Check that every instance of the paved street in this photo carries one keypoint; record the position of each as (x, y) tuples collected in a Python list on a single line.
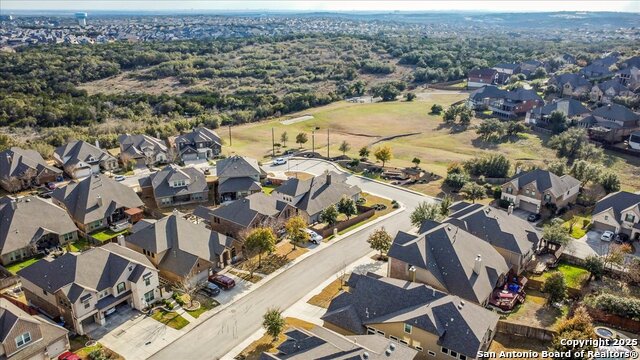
[(215, 337)]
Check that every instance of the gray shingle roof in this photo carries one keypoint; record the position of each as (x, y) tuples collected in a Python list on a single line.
[(569, 107), (545, 180), (133, 144), (81, 198), (618, 201), (459, 326), (197, 135), (237, 166), (81, 151), (613, 83), (616, 112), (16, 161), (448, 253), (237, 184), (160, 181), (31, 219), (493, 92), (244, 211)]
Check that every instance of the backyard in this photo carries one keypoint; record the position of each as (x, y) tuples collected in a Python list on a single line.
[(535, 311), (17, 266), (505, 342), (574, 276), (107, 234)]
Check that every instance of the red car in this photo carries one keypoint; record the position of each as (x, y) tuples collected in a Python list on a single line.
[(68, 356), (222, 281)]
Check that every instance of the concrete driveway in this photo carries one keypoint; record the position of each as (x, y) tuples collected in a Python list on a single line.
[(590, 244)]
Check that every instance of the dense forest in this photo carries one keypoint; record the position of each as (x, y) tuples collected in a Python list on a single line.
[(230, 81)]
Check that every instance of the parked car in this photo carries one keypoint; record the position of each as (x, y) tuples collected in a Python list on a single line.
[(51, 186), (314, 237), (211, 289), (622, 238), (119, 178), (607, 236), (279, 161), (222, 281), (68, 355), (533, 217), (289, 152), (45, 193)]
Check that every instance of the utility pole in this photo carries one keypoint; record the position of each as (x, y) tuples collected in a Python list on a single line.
[(313, 141), (328, 157), (229, 134), (273, 144)]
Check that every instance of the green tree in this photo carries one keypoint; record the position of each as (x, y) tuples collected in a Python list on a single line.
[(425, 211), (578, 327), (260, 240), (344, 147), (410, 96), (555, 287), (558, 167), (595, 265), (456, 180), (514, 128), (383, 153), (380, 240), (473, 191), (329, 215), (301, 138), (436, 109), (445, 204), (569, 143), (284, 137), (347, 206), (296, 227), (5, 142), (273, 323), (610, 182), (363, 152), (450, 114), (540, 73), (416, 162), (556, 233), (585, 171), (464, 115), (557, 122), (491, 130), (591, 153)]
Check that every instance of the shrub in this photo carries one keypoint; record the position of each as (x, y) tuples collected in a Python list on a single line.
[(504, 203), (626, 307)]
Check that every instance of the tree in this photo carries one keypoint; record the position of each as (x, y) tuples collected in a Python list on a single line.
[(295, 227), (617, 254), (380, 240), (449, 115), (569, 143), (514, 128), (410, 96), (585, 171), (301, 138), (347, 206), (284, 137), (595, 265), (557, 122), (273, 323), (363, 152), (610, 182), (490, 130), (329, 215), (540, 73), (464, 115), (260, 240), (416, 162), (473, 191), (383, 153), (425, 211), (556, 287), (558, 167), (436, 109), (186, 287), (555, 233), (578, 327), (445, 204), (591, 153), (456, 180), (344, 147)]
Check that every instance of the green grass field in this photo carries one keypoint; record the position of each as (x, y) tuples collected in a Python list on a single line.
[(171, 319), (573, 275), (15, 267)]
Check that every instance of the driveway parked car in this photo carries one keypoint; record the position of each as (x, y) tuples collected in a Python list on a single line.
[(119, 178), (622, 238), (211, 289), (533, 217), (51, 186), (222, 281), (68, 355), (607, 236), (279, 161), (314, 237)]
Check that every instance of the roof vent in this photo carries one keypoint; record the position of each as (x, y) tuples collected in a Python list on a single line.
[(392, 346), (477, 265), (365, 355)]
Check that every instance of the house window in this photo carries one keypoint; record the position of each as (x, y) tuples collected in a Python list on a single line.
[(419, 348), (445, 350), (149, 297), (87, 304), (380, 332), (23, 339), (408, 328), (45, 292), (431, 353), (533, 193), (606, 217), (547, 197), (371, 331), (120, 288), (453, 354), (462, 357), (393, 338), (147, 281), (165, 201), (629, 218), (404, 342)]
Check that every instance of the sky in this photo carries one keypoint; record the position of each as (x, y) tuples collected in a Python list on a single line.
[(310, 5)]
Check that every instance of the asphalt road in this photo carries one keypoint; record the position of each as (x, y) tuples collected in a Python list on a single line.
[(222, 332)]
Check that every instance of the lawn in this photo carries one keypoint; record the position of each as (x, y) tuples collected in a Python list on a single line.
[(15, 267), (574, 276), (79, 245), (107, 234), (271, 262), (244, 276), (268, 189), (536, 312), (323, 299), (170, 318), (77, 345), (205, 305), (266, 343), (372, 200), (578, 220), (505, 342)]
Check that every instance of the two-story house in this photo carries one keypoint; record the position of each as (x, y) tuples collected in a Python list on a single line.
[(505, 70), (238, 176), (200, 143), (20, 169), (97, 202), (504, 104), (80, 159), (571, 108), (480, 77), (612, 123), (513, 237), (25, 336), (599, 68), (529, 67), (571, 85), (533, 190), (181, 250), (173, 186), (313, 195), (30, 225), (142, 150), (618, 212), (439, 326), (84, 289), (604, 92), (629, 77), (449, 259)]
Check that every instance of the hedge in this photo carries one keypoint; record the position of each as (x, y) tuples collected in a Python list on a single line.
[(626, 307)]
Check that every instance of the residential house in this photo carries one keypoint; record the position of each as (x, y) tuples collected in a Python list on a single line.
[(173, 186), (238, 177), (481, 98), (236, 218), (29, 225), (80, 159), (200, 143), (618, 212), (529, 67), (629, 77), (142, 150), (604, 92), (504, 104), (505, 70), (84, 289), (182, 250), (480, 77), (321, 343), (313, 195), (566, 59), (532, 190), (438, 325), (24, 336), (599, 69), (97, 202), (20, 169), (448, 258), (612, 123), (571, 108), (514, 238), (572, 85)]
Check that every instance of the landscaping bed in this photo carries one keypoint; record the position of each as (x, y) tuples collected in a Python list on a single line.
[(283, 255), (78, 345), (206, 304), (324, 298)]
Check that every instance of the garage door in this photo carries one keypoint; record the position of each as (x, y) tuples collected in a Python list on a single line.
[(603, 227), (57, 348), (527, 206)]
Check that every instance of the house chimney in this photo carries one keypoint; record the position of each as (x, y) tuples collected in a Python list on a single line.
[(120, 239), (328, 179), (14, 204), (99, 200), (477, 265), (97, 144)]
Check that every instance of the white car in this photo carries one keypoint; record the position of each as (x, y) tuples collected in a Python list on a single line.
[(314, 237), (119, 178), (607, 236), (279, 161)]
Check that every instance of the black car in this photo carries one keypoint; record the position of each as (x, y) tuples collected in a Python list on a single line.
[(621, 238), (533, 217)]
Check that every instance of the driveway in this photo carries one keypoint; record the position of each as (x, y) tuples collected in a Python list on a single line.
[(232, 325), (590, 244)]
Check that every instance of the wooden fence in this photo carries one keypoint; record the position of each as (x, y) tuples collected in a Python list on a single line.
[(532, 332), (7, 278), (614, 320), (364, 213)]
